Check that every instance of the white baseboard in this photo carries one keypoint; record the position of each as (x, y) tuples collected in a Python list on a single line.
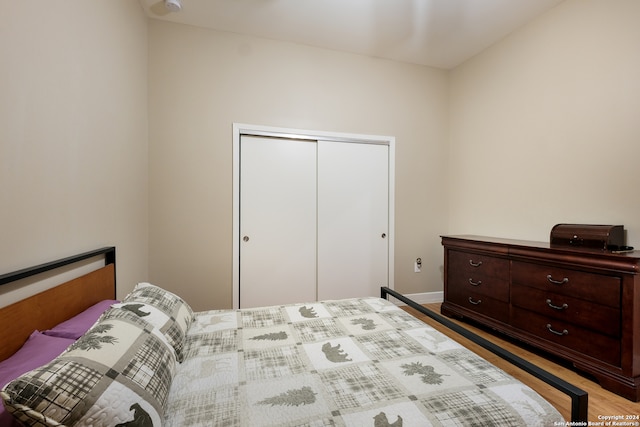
[(422, 298)]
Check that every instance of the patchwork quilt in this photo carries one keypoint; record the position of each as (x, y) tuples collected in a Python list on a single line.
[(356, 362)]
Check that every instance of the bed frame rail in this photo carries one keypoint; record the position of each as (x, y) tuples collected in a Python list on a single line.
[(579, 397)]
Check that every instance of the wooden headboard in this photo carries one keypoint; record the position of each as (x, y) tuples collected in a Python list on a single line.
[(48, 308)]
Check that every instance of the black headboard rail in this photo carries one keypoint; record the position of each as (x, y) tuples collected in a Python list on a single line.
[(109, 253)]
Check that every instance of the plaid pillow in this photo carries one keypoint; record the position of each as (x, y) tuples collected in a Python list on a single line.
[(164, 310), (115, 373)]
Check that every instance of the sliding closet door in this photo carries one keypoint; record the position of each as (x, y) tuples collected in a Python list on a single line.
[(353, 219), (277, 221)]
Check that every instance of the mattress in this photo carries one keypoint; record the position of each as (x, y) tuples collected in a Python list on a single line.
[(355, 362)]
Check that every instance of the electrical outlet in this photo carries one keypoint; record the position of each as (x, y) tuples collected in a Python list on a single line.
[(417, 266)]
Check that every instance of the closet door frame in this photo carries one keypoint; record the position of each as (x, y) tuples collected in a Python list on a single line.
[(240, 129)]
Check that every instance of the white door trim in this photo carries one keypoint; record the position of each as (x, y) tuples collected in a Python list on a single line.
[(257, 130)]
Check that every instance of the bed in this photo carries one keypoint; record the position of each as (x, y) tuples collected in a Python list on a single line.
[(150, 360)]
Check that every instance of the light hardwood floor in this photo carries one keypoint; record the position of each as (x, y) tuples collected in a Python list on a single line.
[(602, 403)]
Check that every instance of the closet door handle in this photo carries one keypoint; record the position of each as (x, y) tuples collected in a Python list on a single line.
[(245, 239)]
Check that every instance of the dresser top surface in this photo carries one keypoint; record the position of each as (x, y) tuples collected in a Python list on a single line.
[(544, 246)]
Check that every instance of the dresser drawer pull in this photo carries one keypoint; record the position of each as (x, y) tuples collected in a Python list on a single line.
[(474, 302), (557, 282), (472, 283), (557, 307), (564, 331), (475, 264)]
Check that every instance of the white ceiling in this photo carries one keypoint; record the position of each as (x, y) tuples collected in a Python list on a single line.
[(437, 33)]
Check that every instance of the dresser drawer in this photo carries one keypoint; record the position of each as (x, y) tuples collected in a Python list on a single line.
[(479, 303), (579, 312), (482, 275), (604, 290), (472, 263), (565, 334), (479, 283)]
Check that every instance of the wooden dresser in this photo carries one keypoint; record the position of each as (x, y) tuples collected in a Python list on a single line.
[(580, 304)]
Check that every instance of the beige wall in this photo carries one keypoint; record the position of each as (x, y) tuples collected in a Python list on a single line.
[(202, 81), (544, 126), (539, 129), (73, 133)]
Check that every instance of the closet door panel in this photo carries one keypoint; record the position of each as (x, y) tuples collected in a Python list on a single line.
[(277, 221), (353, 218)]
